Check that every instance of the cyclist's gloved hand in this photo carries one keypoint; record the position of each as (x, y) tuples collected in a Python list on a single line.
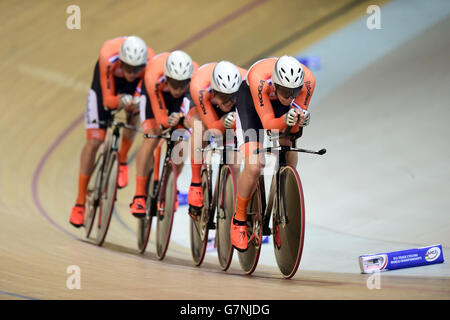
[(136, 101), (125, 100), (291, 117), (134, 105), (304, 119), (174, 118), (229, 119)]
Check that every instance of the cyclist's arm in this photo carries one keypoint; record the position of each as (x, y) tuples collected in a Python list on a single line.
[(158, 104), (204, 107), (263, 106), (106, 68)]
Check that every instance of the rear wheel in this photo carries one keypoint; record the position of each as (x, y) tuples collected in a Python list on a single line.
[(199, 229), (225, 212), (289, 226), (249, 258), (93, 194), (166, 209), (108, 196)]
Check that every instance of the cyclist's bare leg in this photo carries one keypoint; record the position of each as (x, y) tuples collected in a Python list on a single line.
[(236, 163), (88, 153), (144, 159), (128, 137), (134, 121), (179, 154), (87, 162), (247, 183), (196, 140)]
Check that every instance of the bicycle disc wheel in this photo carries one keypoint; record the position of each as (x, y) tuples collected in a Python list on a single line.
[(288, 236), (225, 211), (144, 225), (199, 229), (108, 196), (249, 258), (166, 209), (92, 195)]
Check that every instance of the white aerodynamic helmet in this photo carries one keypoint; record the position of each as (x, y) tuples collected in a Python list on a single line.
[(133, 51), (226, 78), (179, 66), (288, 72)]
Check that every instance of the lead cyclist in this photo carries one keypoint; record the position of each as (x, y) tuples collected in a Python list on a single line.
[(275, 96)]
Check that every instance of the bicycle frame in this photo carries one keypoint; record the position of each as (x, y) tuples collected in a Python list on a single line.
[(283, 150), (223, 153), (166, 134)]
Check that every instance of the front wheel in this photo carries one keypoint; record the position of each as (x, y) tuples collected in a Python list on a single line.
[(93, 194), (144, 225), (249, 258), (289, 223), (108, 196), (166, 208), (226, 206)]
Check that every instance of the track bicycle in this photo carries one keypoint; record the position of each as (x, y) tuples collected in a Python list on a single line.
[(286, 206), (102, 187), (161, 194), (221, 201)]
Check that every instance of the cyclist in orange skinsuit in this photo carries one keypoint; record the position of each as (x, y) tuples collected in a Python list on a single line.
[(119, 69), (275, 97), (213, 90), (163, 91)]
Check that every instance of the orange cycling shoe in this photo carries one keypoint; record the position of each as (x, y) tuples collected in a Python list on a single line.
[(122, 180), (195, 200), (138, 206), (238, 234), (77, 215)]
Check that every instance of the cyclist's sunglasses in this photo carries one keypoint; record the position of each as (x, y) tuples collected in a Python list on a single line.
[(132, 69), (178, 84), (225, 97), (288, 93)]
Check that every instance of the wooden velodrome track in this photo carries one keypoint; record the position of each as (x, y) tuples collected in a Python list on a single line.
[(46, 73)]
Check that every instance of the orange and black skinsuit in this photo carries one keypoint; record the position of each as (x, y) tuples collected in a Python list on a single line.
[(207, 108), (157, 104), (258, 107), (107, 85)]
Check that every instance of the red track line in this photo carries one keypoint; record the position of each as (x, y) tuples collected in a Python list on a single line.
[(37, 173), (219, 23)]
